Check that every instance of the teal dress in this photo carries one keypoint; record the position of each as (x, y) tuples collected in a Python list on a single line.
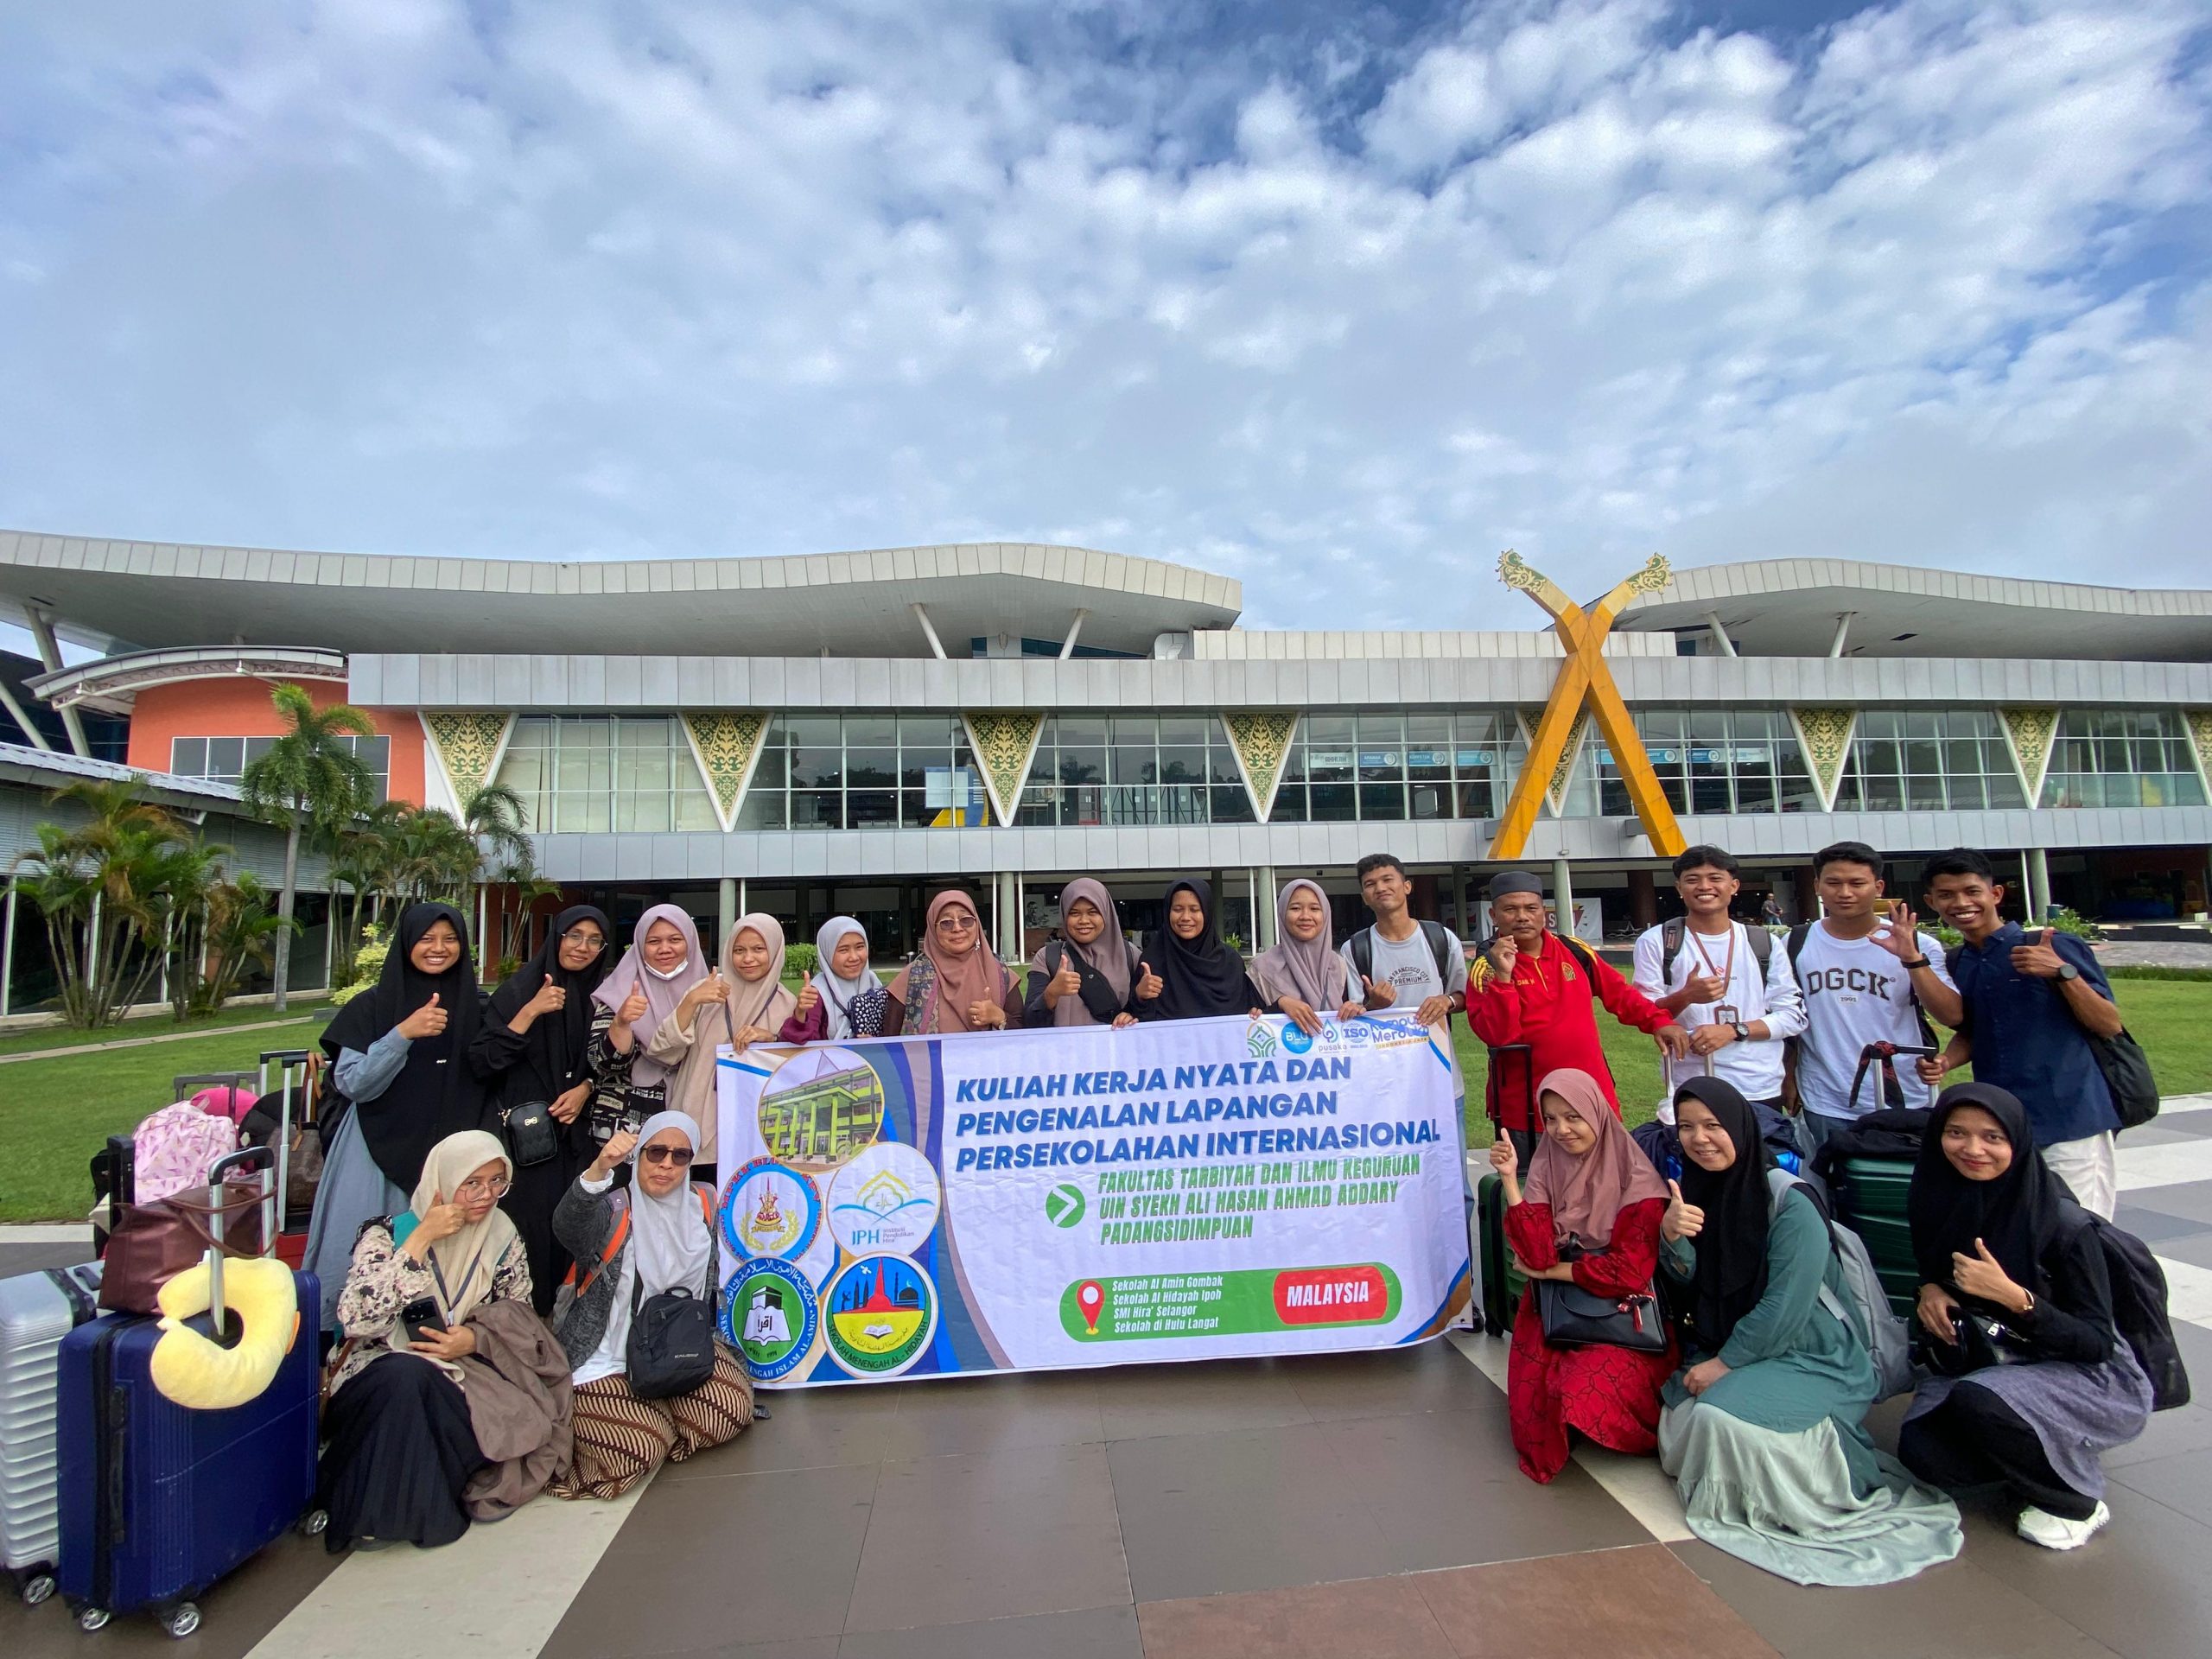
[(1773, 1461)]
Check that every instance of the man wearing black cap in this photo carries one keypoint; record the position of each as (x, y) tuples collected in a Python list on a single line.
[(1535, 986)]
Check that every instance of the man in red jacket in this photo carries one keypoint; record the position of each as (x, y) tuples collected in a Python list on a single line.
[(1532, 985)]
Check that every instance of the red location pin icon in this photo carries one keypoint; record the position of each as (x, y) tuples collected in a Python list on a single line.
[(1091, 1299)]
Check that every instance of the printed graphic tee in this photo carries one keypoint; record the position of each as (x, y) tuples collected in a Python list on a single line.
[(1856, 993)]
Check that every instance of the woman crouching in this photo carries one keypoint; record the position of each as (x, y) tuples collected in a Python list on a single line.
[(631, 1246)]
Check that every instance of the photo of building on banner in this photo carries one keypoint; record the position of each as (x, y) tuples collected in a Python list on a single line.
[(930, 1206)]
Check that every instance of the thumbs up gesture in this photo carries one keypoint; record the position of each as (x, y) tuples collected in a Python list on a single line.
[(633, 1009), (2040, 960), (426, 1022), (1149, 984), (1682, 1220), (809, 999), (548, 998), (1066, 982), (1982, 1276)]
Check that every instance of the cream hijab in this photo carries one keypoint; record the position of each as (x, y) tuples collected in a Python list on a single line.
[(461, 1266)]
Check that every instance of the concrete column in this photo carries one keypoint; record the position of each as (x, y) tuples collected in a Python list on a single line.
[(2038, 870), (726, 910), (7, 951), (49, 653), (1642, 898), (1270, 885), (1563, 895), (1020, 915), (1458, 909)]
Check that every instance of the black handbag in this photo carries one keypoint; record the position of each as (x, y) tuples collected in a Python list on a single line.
[(671, 1346), (2127, 1073), (1575, 1318), (533, 1134), (1982, 1342)]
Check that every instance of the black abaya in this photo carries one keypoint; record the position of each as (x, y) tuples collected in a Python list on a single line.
[(400, 1449)]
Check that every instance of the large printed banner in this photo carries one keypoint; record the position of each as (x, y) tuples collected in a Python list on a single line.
[(1036, 1199)]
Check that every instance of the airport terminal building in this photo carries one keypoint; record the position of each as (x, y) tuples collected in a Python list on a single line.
[(844, 732)]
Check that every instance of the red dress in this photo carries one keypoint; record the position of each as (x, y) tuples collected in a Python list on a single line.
[(1610, 1394)]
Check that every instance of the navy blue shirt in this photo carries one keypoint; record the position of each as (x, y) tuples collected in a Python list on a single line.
[(2026, 1040)]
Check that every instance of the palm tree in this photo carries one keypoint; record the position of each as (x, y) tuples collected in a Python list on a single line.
[(309, 777), (496, 818), (103, 888)]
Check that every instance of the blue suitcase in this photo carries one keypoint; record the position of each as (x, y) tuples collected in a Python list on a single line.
[(160, 1502)]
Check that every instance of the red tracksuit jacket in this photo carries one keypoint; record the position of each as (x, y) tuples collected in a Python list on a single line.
[(1549, 1004)]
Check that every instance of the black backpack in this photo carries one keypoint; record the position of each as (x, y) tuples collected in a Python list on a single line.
[(2138, 1308), (1674, 933)]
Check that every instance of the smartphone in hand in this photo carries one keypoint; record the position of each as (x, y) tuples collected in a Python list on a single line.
[(420, 1315)]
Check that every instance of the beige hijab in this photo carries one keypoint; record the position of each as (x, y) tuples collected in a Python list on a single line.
[(462, 1266)]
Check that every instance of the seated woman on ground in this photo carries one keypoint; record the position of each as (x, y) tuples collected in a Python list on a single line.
[(1589, 1216), (441, 1378), (669, 1243), (2012, 1270), (1764, 1429)]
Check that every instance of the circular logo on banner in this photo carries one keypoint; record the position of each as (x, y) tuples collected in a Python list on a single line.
[(770, 1209), (1295, 1040), (882, 1312), (823, 1106), (769, 1314), (1064, 1205), (885, 1200)]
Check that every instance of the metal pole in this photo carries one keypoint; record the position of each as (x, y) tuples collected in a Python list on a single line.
[(7, 953), (998, 910), (1563, 895)]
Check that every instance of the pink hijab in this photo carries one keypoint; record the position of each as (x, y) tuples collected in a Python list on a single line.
[(1586, 1193), (661, 995)]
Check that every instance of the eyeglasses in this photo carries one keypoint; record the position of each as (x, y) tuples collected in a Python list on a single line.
[(584, 941), (474, 1187), (680, 1156), (956, 921)]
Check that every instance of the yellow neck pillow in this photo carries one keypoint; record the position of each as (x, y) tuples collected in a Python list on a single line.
[(203, 1376)]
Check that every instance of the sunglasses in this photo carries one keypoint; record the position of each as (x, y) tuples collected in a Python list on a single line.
[(680, 1156)]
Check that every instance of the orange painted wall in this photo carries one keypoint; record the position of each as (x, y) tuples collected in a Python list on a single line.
[(233, 707)]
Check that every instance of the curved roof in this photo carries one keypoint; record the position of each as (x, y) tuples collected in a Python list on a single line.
[(1789, 607), (116, 594), (111, 683)]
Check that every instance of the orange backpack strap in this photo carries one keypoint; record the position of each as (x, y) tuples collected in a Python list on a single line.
[(615, 1241), (706, 1205)]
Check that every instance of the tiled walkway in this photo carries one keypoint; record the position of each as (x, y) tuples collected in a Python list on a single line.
[(1333, 1506)]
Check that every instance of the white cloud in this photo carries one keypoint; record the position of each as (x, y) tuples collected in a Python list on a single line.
[(1341, 317)]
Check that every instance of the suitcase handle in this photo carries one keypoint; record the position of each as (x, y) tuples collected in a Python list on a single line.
[(250, 1160)]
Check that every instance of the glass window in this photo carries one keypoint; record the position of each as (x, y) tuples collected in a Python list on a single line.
[(862, 772), (1928, 761), (589, 775), (2122, 758), (224, 760)]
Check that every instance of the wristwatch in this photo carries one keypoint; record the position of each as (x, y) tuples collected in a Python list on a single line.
[(2068, 970), (1918, 962), (1743, 1031)]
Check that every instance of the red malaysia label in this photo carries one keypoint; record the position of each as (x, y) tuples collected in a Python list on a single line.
[(1331, 1296)]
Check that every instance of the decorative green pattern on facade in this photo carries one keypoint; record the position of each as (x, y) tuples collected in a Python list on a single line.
[(1824, 739), (1005, 742), (1261, 738), (726, 742), (1563, 774), (2030, 732), (467, 742), (2199, 721)]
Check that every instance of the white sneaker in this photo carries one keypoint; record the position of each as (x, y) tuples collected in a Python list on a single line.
[(2055, 1532)]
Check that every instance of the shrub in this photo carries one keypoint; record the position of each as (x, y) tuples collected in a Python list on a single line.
[(801, 959), (368, 965)]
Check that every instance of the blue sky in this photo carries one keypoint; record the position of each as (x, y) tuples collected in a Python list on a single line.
[(1340, 298)]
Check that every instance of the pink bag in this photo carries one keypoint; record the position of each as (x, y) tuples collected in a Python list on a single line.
[(231, 1102), (175, 1148)]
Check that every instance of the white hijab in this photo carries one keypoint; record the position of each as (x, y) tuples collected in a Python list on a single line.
[(669, 1244), (836, 991)]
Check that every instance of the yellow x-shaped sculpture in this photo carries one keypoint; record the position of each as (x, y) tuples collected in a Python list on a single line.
[(1584, 674)]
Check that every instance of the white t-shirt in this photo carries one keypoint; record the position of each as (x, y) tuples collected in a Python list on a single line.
[(1754, 1067), (1856, 993)]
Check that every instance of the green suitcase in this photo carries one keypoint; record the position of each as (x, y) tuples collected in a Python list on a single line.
[(1502, 1278), (1869, 1197)]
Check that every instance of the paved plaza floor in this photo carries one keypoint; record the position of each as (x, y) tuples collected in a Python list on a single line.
[(1338, 1506)]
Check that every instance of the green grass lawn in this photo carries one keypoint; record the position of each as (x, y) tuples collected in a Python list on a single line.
[(159, 1025), (55, 1114)]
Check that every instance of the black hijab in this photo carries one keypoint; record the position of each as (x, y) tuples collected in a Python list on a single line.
[(435, 1093), (1731, 1248), (1199, 978), (552, 1057), (2021, 1215)]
